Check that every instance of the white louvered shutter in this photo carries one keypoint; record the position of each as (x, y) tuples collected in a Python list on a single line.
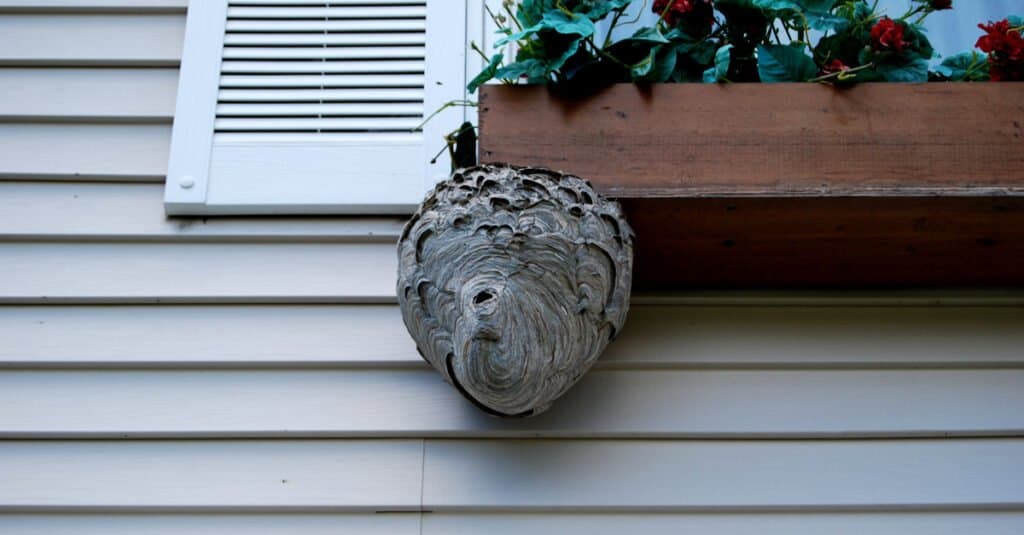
[(303, 106)]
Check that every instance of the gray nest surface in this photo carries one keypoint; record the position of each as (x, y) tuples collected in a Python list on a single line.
[(512, 281)]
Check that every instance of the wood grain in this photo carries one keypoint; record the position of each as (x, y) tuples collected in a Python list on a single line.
[(795, 186), (828, 242), (778, 140)]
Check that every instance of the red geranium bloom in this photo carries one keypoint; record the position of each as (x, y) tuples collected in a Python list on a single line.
[(887, 34), (833, 67), (1005, 48), (698, 11)]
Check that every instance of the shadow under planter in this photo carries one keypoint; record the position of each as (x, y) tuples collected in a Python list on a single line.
[(790, 185)]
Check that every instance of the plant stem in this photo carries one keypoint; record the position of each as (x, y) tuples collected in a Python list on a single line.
[(445, 106), (603, 54), (643, 8), (840, 74), (473, 45), (611, 28), (513, 17)]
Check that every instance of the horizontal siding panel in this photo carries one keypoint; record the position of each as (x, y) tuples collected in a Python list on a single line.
[(668, 337), (88, 94), (324, 39), (339, 475), (190, 336), (263, 272), (315, 109), (931, 523), (606, 403), (314, 81), (317, 95), (105, 39), (223, 524), (332, 2), (512, 475), (903, 523), (316, 124), (117, 211), (270, 26), (325, 53), (84, 152), (196, 272), (710, 475), (282, 68), (85, 6), (352, 10), (833, 336)]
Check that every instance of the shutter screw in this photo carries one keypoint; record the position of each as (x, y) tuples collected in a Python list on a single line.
[(186, 182)]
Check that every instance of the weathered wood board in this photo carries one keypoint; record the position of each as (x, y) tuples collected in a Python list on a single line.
[(669, 140), (790, 185)]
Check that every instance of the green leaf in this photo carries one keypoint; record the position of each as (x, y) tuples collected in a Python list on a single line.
[(556, 21), (641, 70), (964, 67), (1016, 21), (717, 72), (737, 4), (657, 67), (649, 35), (701, 53), (665, 65), (915, 70), (779, 6), (818, 6), (487, 73), (530, 12), (533, 69), (826, 22), (784, 63), (914, 34), (557, 62), (568, 25), (597, 9)]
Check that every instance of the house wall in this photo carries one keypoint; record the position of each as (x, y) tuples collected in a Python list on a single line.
[(252, 375)]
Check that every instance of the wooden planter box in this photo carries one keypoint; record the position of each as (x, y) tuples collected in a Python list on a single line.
[(791, 185)]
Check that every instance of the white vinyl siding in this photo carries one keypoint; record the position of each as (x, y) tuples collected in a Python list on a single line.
[(152, 39), (87, 89), (88, 94), (252, 375)]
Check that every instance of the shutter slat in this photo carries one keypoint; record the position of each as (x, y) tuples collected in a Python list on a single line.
[(329, 81), (375, 46), (322, 3), (329, 39), (288, 67), (345, 53), (320, 26), (397, 109), (342, 12), (317, 124), (317, 95)]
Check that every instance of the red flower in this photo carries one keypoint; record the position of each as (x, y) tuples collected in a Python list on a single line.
[(696, 11), (833, 67), (1005, 48), (887, 34)]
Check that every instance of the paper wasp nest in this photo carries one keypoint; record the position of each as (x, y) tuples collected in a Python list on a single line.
[(512, 281)]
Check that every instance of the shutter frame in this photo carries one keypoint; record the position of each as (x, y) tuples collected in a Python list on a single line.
[(222, 174)]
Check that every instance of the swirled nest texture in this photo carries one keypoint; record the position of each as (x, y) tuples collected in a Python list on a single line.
[(512, 281)]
